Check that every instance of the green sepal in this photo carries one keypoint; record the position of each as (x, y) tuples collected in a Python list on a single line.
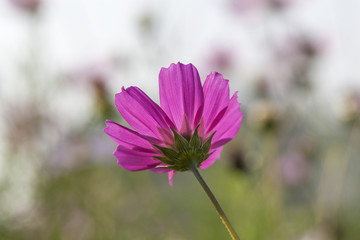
[(195, 140), (180, 143), (164, 160), (208, 155), (168, 152), (206, 147)]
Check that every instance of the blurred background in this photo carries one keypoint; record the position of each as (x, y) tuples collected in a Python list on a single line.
[(291, 173)]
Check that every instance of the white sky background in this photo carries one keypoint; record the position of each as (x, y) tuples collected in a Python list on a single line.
[(72, 33)]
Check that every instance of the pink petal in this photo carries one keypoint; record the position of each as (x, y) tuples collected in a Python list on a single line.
[(181, 94), (145, 116), (213, 157), (126, 137), (171, 177), (216, 101), (229, 125), (135, 160)]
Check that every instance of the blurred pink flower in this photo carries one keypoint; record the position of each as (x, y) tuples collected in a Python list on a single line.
[(76, 150), (29, 5), (97, 71), (294, 168), (248, 5), (301, 46), (97, 75), (295, 59), (221, 59), (188, 108), (278, 4), (26, 124)]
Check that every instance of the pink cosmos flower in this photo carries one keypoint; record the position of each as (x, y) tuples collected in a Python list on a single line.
[(193, 122), (30, 5)]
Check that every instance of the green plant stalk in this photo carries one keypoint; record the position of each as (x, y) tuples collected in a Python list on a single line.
[(216, 204)]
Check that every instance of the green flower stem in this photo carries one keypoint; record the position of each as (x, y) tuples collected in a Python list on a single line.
[(216, 204)]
